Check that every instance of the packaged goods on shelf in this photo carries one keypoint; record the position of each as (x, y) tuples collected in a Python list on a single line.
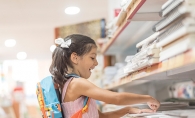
[(120, 74), (165, 106), (147, 40), (111, 32), (182, 31), (164, 114), (121, 17), (113, 73), (166, 110), (132, 4), (111, 28), (170, 5), (125, 4), (182, 26), (179, 21), (131, 67), (184, 90), (145, 63), (148, 52), (166, 4), (111, 24), (179, 46), (146, 57), (180, 11), (109, 73)]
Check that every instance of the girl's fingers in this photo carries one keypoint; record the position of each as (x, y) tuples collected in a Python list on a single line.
[(154, 107), (147, 111)]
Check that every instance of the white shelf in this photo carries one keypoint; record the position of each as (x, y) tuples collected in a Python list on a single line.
[(135, 28), (180, 67)]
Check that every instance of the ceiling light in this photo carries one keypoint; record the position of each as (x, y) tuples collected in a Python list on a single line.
[(72, 10), (21, 55), (10, 43), (52, 48)]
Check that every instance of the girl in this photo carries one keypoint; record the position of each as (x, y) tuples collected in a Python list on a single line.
[(77, 54)]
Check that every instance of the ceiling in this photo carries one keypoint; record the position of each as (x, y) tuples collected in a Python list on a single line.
[(31, 23)]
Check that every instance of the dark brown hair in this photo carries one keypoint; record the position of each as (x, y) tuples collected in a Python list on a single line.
[(80, 44)]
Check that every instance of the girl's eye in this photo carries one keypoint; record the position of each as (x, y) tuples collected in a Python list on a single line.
[(92, 58)]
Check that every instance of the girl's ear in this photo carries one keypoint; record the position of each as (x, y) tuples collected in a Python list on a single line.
[(74, 58)]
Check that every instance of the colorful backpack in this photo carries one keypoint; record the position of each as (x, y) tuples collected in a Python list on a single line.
[(48, 96)]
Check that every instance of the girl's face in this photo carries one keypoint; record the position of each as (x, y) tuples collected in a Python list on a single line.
[(86, 63)]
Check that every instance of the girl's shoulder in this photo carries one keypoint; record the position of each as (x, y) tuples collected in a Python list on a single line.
[(80, 85), (76, 83), (73, 85)]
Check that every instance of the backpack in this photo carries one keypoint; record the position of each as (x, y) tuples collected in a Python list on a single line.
[(49, 98)]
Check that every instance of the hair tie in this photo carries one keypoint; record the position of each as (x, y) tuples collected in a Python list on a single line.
[(62, 43)]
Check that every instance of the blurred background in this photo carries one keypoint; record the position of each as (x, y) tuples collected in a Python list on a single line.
[(144, 46)]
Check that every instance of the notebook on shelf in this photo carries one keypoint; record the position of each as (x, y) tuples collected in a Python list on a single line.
[(183, 22), (145, 63), (176, 35), (172, 5), (166, 4), (178, 12), (132, 67), (147, 40), (121, 17), (177, 47)]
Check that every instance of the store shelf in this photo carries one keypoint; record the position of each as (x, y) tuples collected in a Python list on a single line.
[(179, 67), (137, 25)]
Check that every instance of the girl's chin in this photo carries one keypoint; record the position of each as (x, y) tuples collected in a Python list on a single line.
[(88, 75)]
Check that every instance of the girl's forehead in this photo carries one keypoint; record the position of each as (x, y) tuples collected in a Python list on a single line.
[(93, 50)]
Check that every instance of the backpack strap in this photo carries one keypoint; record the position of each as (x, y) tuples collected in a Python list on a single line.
[(86, 105)]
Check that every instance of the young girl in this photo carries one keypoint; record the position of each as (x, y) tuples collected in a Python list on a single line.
[(77, 54)]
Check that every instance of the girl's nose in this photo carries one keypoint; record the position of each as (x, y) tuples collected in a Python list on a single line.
[(96, 62)]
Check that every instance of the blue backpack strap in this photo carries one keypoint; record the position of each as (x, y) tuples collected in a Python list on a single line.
[(85, 101), (72, 75)]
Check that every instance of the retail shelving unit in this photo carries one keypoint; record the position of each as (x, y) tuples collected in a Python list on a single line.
[(180, 66), (158, 80), (135, 27)]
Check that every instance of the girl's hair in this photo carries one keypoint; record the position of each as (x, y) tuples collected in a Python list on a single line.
[(61, 61)]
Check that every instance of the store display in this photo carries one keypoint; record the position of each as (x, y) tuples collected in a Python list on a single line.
[(121, 17), (167, 3), (125, 4), (176, 35), (166, 110), (173, 36), (179, 46), (182, 22), (147, 40), (179, 11), (170, 6), (160, 65), (129, 6), (109, 73), (164, 114), (148, 56), (184, 90)]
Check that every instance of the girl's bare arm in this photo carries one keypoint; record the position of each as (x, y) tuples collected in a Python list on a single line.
[(84, 87)]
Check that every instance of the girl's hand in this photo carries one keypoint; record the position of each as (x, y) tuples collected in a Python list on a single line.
[(138, 111), (154, 104)]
